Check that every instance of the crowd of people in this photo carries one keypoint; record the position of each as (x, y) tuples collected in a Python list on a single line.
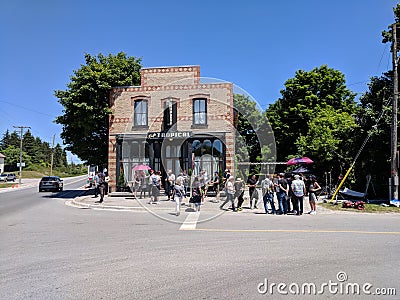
[(280, 194), (287, 192)]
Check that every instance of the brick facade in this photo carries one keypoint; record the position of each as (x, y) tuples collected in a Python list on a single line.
[(160, 87)]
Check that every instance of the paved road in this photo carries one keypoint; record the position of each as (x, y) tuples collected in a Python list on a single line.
[(53, 251)]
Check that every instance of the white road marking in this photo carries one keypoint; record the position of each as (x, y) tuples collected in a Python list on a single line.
[(190, 221)]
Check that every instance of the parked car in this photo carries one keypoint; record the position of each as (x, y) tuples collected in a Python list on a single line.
[(3, 177), (51, 183), (11, 177)]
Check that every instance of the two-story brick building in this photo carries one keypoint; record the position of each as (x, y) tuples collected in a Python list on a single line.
[(172, 120)]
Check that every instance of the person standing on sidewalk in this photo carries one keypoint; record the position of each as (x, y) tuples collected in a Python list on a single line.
[(253, 193), (136, 184), (179, 193), (143, 184), (102, 186), (196, 193), (267, 187), (312, 189), (169, 184), (299, 190), (282, 191), (155, 188), (96, 184)]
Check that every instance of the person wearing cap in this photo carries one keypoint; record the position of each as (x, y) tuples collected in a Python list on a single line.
[(299, 190), (312, 197)]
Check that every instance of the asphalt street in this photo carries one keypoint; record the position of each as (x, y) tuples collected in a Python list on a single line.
[(53, 251)]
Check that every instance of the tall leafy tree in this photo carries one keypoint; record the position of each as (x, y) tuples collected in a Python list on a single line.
[(254, 140), (387, 36), (60, 157), (12, 157), (320, 92), (14, 140), (374, 119), (86, 103), (5, 141), (28, 145), (329, 140)]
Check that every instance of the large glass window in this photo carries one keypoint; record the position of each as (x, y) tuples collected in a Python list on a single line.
[(207, 155), (140, 113), (199, 111)]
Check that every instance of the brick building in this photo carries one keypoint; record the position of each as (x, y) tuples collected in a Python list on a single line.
[(171, 121)]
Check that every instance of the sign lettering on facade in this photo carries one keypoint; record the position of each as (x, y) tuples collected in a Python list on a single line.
[(162, 135)]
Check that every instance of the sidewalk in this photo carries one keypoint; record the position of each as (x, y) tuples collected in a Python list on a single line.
[(25, 183)]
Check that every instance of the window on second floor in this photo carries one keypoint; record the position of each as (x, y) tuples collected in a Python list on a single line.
[(199, 111), (140, 113), (170, 114)]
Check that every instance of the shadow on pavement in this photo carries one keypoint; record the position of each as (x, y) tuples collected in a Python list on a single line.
[(67, 194)]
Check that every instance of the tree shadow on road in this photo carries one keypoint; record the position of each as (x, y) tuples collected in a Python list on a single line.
[(67, 194)]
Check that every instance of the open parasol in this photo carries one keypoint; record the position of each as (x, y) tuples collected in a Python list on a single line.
[(299, 160), (141, 168)]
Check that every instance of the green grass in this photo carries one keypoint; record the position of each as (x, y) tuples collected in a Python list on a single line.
[(37, 171), (369, 208), (5, 184)]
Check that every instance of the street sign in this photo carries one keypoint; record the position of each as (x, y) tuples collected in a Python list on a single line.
[(23, 165)]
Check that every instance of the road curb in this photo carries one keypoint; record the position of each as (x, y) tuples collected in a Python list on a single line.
[(78, 204)]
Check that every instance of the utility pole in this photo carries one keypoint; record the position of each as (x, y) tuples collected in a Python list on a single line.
[(394, 158), (52, 157), (20, 150)]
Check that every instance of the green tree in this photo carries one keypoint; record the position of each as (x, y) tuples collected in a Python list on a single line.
[(387, 36), (60, 157), (12, 157), (5, 141), (86, 103), (14, 140), (254, 140), (330, 139), (28, 145), (307, 96), (374, 119)]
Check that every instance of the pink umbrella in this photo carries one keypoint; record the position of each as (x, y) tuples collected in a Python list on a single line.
[(141, 168), (299, 160)]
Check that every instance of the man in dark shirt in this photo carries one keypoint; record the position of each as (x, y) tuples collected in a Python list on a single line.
[(253, 193)]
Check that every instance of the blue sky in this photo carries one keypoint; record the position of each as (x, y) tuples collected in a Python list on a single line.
[(257, 45)]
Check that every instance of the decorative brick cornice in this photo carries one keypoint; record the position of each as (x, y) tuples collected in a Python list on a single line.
[(171, 69), (181, 87)]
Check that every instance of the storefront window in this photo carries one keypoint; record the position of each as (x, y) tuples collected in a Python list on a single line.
[(207, 155)]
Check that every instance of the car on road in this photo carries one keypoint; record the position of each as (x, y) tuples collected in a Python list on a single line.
[(51, 183), (3, 177)]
